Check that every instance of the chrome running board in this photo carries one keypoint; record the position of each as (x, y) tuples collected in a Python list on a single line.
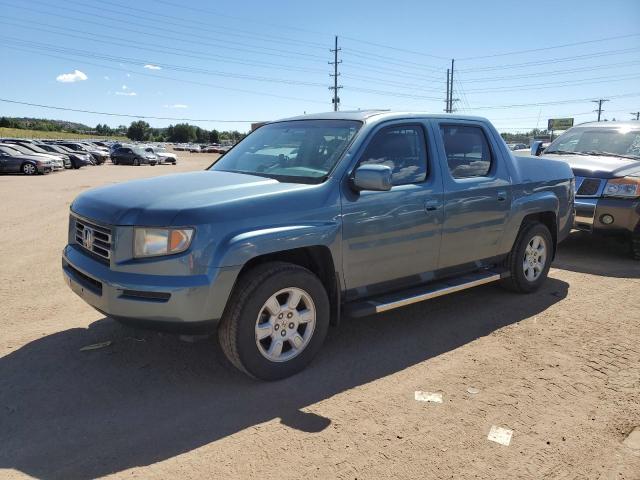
[(427, 292)]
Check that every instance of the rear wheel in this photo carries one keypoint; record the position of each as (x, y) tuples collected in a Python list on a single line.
[(275, 322), (530, 259), (136, 162), (29, 169)]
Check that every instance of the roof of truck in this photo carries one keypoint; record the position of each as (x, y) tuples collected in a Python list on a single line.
[(365, 115)]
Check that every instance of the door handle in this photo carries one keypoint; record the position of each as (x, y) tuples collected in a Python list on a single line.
[(431, 205), (502, 196)]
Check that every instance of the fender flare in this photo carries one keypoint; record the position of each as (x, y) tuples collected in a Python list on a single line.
[(239, 248), (534, 203)]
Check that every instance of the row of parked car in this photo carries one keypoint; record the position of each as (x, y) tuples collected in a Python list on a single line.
[(194, 148), (31, 157), (43, 156)]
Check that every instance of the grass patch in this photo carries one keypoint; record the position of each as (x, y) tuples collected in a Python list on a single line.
[(21, 133)]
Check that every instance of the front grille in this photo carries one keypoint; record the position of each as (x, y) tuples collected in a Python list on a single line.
[(589, 187), (94, 238)]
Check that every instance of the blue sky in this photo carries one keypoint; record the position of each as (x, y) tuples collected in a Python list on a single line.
[(257, 60)]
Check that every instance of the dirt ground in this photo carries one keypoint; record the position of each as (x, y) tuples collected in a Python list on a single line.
[(560, 368)]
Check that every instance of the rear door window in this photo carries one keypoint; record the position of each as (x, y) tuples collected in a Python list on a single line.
[(467, 149)]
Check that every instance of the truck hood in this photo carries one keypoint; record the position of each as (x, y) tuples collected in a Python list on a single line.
[(599, 166), (159, 201)]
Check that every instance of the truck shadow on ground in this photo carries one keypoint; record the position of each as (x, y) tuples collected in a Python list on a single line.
[(148, 397), (582, 252)]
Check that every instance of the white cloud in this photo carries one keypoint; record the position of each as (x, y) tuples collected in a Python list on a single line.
[(128, 74), (177, 105), (149, 66), (127, 94), (124, 87), (106, 78), (75, 76)]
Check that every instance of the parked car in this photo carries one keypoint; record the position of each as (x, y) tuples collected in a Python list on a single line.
[(518, 146), (162, 154), (76, 159), (55, 161), (60, 160), (605, 158), (98, 156), (12, 161), (133, 156), (305, 218)]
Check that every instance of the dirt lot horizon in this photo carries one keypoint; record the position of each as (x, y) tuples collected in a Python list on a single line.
[(560, 368)]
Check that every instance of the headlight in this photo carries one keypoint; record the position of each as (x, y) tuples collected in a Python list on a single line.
[(153, 242), (625, 187)]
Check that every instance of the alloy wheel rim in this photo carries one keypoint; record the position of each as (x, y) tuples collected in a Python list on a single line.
[(535, 258), (29, 169), (285, 324)]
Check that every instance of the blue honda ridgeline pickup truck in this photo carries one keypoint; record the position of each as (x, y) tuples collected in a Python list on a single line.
[(314, 216)]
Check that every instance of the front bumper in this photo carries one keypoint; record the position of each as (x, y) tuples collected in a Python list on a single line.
[(155, 300), (590, 212)]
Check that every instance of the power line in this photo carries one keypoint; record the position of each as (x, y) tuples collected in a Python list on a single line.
[(156, 34), (553, 72), (637, 114), (110, 114), (556, 102), (192, 82), (397, 49), (541, 86), (172, 19), (197, 54), (541, 49), (551, 61), (168, 66)]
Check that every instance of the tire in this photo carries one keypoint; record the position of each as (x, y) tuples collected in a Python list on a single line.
[(247, 309), (114, 161), (136, 162), (529, 280), (635, 246), (29, 169)]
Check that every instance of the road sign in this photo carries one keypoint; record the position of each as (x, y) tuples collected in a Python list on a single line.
[(559, 123)]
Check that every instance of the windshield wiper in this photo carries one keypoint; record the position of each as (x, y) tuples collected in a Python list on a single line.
[(565, 152), (611, 154)]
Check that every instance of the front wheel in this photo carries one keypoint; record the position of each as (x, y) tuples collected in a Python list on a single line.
[(136, 162), (275, 322), (29, 169), (530, 259)]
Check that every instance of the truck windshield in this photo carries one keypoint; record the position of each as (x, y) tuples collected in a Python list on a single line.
[(302, 151), (622, 142)]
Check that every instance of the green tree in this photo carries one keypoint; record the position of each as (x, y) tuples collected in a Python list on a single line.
[(183, 133), (138, 131), (214, 136)]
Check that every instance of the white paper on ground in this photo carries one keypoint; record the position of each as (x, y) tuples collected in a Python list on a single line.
[(500, 435), (428, 397)]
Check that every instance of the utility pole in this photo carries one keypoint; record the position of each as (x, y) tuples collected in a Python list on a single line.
[(637, 114), (446, 102), (451, 99), (335, 100), (599, 102)]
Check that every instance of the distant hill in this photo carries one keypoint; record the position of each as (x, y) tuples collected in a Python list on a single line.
[(44, 124)]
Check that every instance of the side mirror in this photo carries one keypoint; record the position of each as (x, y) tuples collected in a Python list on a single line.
[(536, 148), (372, 177)]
